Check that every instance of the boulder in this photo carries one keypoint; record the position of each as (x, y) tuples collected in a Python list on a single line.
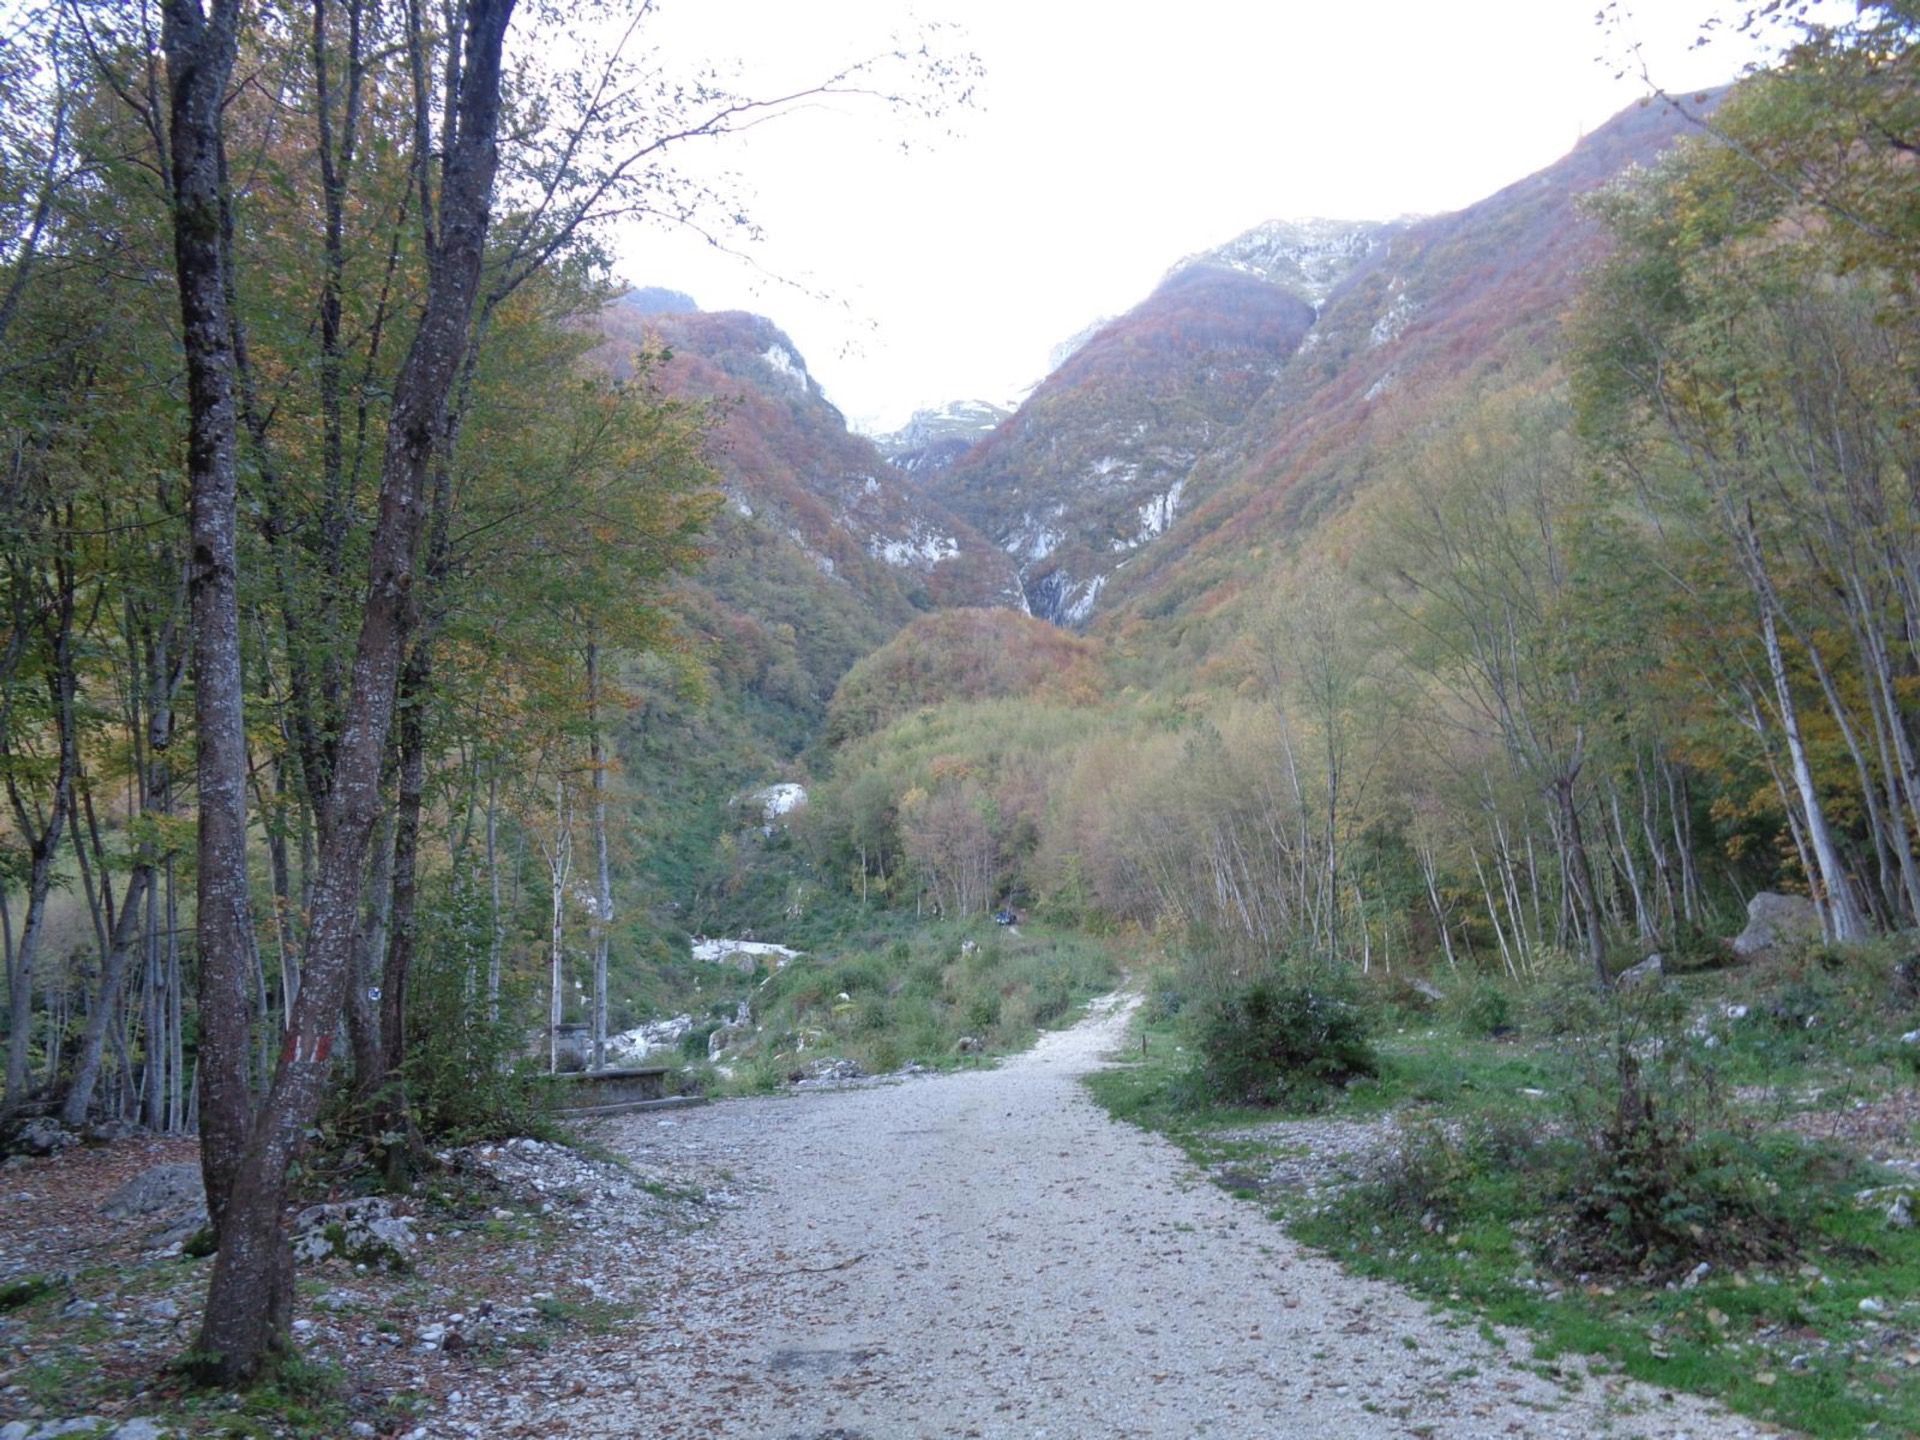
[(163, 1190), (632, 1046), (1653, 968), (42, 1135), (170, 1200), (1900, 1212), (1776, 920), (827, 1069), (363, 1231), (107, 1132)]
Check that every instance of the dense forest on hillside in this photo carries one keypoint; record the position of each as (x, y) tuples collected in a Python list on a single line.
[(1593, 643)]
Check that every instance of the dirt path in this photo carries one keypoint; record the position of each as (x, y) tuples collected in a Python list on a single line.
[(989, 1255)]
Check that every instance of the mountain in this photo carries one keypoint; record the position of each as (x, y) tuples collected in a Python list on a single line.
[(657, 300), (791, 465), (933, 439), (1435, 316), (1244, 397), (1307, 257), (820, 554), (1092, 465)]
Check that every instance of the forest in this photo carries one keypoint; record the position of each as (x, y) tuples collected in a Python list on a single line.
[(1605, 644), (358, 687)]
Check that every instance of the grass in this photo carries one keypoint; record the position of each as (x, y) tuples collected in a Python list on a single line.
[(1473, 1211), (915, 998)]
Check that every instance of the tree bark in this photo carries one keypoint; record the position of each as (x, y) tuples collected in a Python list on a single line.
[(1847, 922), (603, 889), (200, 50), (247, 1298)]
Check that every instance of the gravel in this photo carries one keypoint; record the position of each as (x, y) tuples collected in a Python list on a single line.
[(988, 1255)]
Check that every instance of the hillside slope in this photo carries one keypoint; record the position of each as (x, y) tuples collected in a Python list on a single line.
[(1446, 311), (1092, 465), (1251, 392), (820, 555)]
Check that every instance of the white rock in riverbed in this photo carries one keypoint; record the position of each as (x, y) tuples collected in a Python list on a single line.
[(652, 1038), (745, 955)]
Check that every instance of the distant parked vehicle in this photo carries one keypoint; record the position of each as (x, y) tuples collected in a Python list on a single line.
[(1004, 917)]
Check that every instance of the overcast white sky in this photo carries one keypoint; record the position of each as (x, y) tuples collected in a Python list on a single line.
[(1106, 142)]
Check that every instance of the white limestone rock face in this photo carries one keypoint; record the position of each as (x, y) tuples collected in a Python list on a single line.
[(787, 365), (653, 1038), (775, 801), (1306, 256)]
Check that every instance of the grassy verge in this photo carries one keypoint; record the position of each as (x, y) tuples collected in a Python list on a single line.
[(1485, 1195), (943, 996)]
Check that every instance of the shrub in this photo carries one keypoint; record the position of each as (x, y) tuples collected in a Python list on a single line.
[(1693, 946), (693, 1044), (1568, 1004), (1481, 1008), (461, 1072), (1658, 1180), (1430, 1173), (1284, 1042)]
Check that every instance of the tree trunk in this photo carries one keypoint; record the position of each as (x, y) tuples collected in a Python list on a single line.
[(559, 866), (200, 49), (385, 1087), (113, 972), (1580, 871), (603, 891), (496, 919), (247, 1297), (369, 954), (1847, 922)]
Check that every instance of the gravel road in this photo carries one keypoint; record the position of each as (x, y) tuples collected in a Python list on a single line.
[(987, 1254)]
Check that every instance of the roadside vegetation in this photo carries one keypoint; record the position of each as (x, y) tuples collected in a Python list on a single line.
[(894, 996), (1704, 1182)]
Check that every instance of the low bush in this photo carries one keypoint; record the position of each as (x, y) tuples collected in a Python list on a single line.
[(1432, 1171), (1481, 1008), (1285, 1042), (1658, 1178)]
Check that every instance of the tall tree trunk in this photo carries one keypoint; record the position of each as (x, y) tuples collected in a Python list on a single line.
[(603, 887), (389, 1113), (1580, 871), (200, 48), (1844, 912), (249, 1292), (559, 866)]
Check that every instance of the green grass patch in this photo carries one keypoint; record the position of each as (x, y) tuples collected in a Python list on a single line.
[(942, 996), (22, 1292), (1545, 1185)]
